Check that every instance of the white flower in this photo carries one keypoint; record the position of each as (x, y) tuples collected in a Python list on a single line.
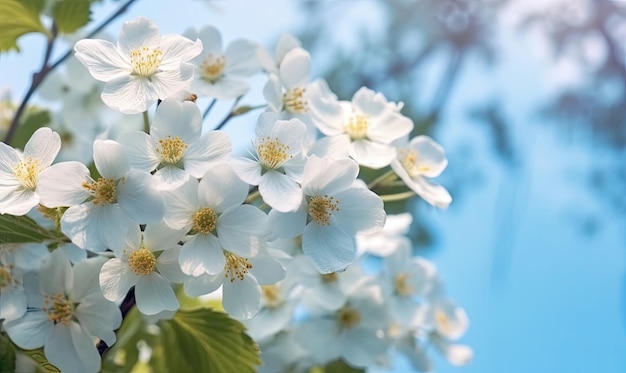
[(241, 279), (101, 211), (278, 162), (336, 209), (212, 212), (174, 147), (150, 265), (143, 67), (66, 312), (416, 162), (386, 241), (19, 172), (222, 73), (12, 297), (277, 306), (285, 43), (365, 127), (351, 332), (405, 278)]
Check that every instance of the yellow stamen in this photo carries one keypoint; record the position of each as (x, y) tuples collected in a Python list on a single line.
[(142, 262), (403, 288), (171, 149), (236, 267), (6, 278), (204, 220), (348, 317), (104, 191), (272, 153), (145, 61), (410, 160), (295, 102), (27, 172), (357, 126), (59, 308), (272, 295), (212, 67), (321, 208), (330, 277)]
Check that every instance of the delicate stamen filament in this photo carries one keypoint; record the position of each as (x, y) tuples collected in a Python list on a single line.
[(348, 317), (409, 159), (27, 172), (204, 220), (212, 67), (142, 262), (403, 288), (357, 126), (321, 208), (236, 267), (330, 277), (145, 61), (6, 278), (272, 153), (294, 101), (171, 149), (104, 191), (59, 308), (272, 295)]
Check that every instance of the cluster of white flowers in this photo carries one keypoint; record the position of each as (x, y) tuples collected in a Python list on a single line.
[(173, 205)]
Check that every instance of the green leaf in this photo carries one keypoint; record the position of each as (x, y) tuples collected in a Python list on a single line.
[(339, 366), (39, 358), (70, 15), (210, 340), (17, 229), (198, 340), (33, 119), (34, 6), (7, 355), (17, 19)]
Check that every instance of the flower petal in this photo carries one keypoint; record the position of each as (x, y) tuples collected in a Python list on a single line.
[(129, 94), (241, 229), (140, 149), (215, 146), (242, 298), (280, 192), (61, 184), (30, 331), (116, 279), (138, 199), (43, 145), (295, 68), (71, 349), (360, 210), (137, 33), (154, 294), (102, 59), (202, 254), (110, 159), (220, 188), (328, 247)]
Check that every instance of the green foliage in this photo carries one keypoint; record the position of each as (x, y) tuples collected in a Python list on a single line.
[(33, 119), (70, 15), (197, 340), (19, 229), (16, 19), (337, 366), (7, 355), (43, 365)]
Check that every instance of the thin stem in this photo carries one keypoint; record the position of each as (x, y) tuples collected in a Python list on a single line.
[(253, 196), (230, 114), (121, 10), (146, 122), (397, 196), (380, 179), (46, 68), (208, 109), (35, 82)]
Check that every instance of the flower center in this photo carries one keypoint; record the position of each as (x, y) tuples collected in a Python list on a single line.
[(348, 317), (357, 126), (6, 278), (145, 61), (272, 153), (59, 308), (410, 161), (212, 67), (271, 295), (330, 277), (402, 286), (142, 262), (171, 149), (294, 101), (443, 321), (321, 208), (27, 172), (103, 191), (204, 220), (236, 266)]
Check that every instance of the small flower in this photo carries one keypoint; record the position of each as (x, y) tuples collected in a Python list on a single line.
[(19, 172), (66, 313), (150, 264), (174, 147), (366, 127), (285, 43), (417, 162), (222, 73), (278, 162), (143, 67), (333, 211), (101, 211)]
